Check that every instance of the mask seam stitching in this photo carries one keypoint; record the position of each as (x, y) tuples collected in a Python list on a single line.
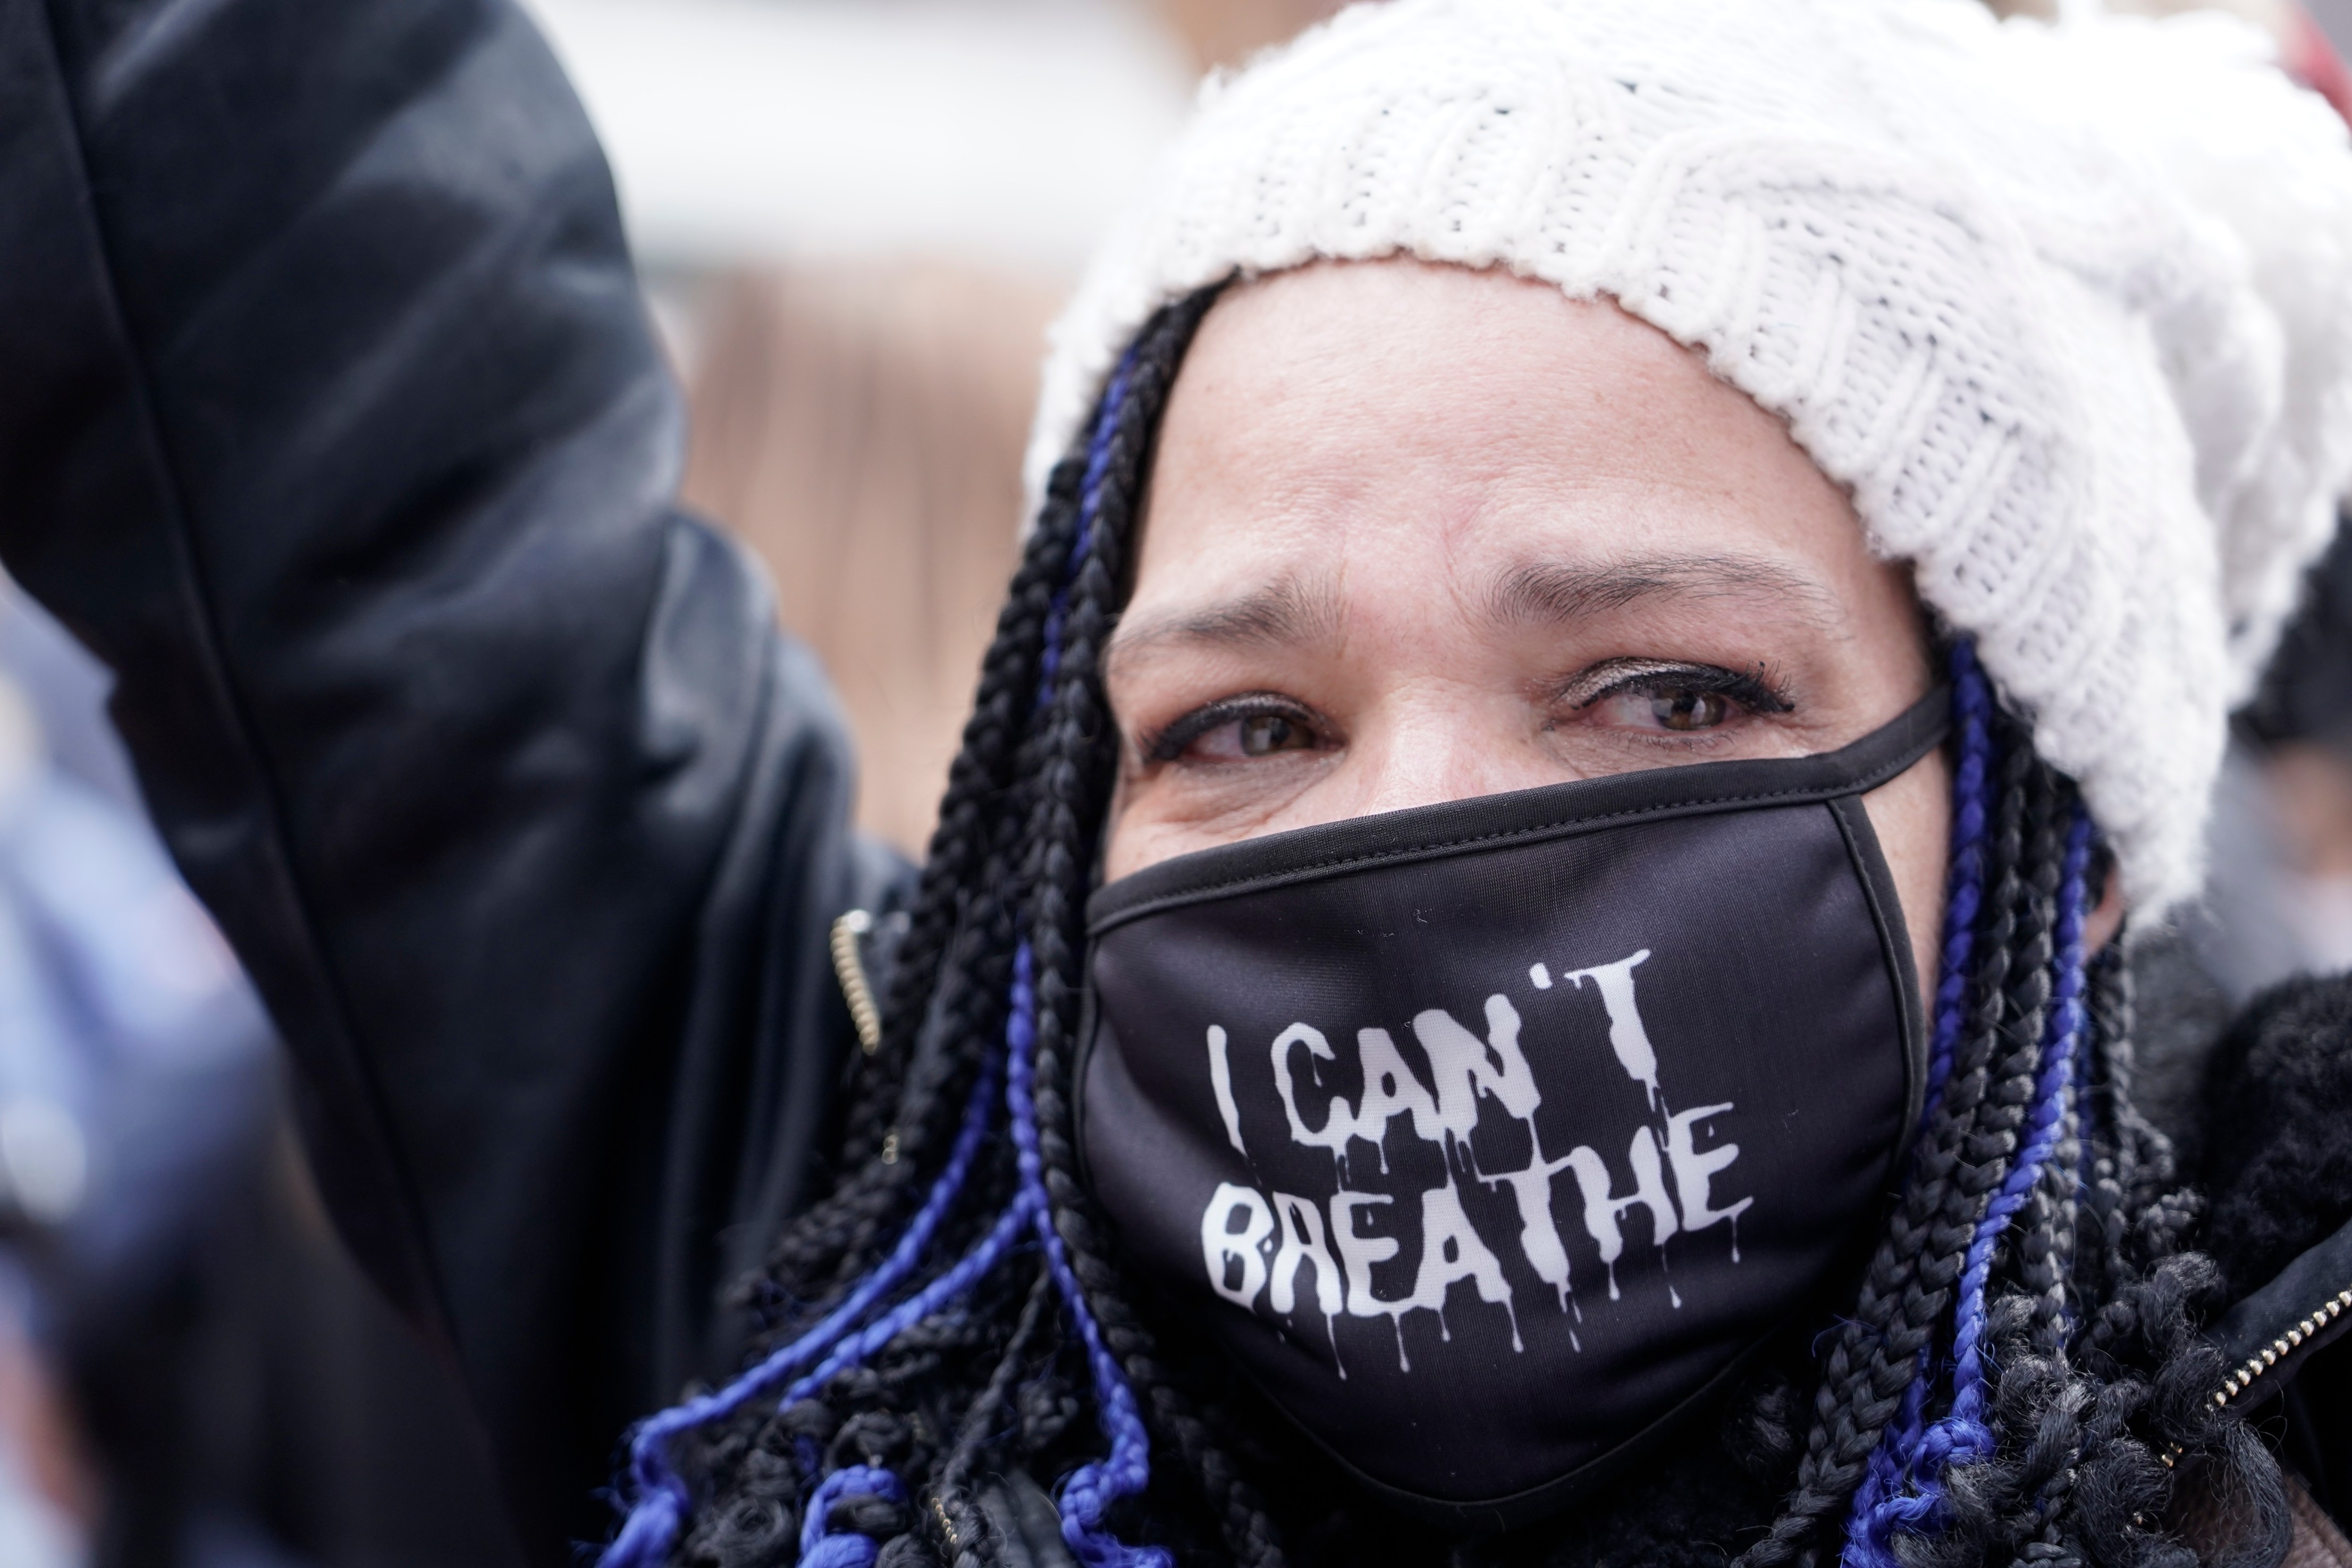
[(1808, 795)]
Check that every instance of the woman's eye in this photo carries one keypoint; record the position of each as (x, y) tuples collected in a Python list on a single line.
[(1236, 731), (1676, 701), (1263, 735), (1682, 708)]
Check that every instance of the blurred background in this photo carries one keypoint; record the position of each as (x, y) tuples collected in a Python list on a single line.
[(854, 219)]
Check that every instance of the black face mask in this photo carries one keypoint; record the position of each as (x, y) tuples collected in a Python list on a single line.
[(1488, 1136)]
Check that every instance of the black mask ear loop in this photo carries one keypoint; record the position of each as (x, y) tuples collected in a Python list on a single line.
[(1921, 729)]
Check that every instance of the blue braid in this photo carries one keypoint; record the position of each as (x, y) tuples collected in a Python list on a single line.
[(2089, 1126), (970, 1270), (1970, 1436), (1088, 1493), (848, 1550), (1964, 1435), (661, 1500), (1049, 663), (1972, 710), (820, 1551), (1028, 1208)]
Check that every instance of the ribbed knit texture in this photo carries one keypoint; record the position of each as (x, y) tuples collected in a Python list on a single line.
[(2068, 310)]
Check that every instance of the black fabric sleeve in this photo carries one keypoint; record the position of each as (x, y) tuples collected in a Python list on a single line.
[(329, 419)]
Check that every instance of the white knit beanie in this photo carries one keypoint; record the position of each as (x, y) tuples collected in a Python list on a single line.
[(2067, 309)]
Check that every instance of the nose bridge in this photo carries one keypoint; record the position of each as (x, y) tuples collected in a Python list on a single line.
[(1439, 745)]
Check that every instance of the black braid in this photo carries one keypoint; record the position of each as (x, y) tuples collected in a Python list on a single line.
[(1907, 1290), (2100, 1395), (2099, 1375), (1081, 759), (2033, 1260), (2105, 1114), (969, 852), (958, 1527)]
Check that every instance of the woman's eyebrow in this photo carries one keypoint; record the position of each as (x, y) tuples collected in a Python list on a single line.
[(1552, 591), (1286, 612)]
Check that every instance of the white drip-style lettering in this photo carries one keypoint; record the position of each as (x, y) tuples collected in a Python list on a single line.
[(1252, 1244), (1466, 1066), (1694, 1168), (1339, 1121), (1538, 1232), (1299, 1223), (1224, 1247), (1604, 1208), (1451, 1250), (1220, 1080), (1627, 1037), (1390, 1087)]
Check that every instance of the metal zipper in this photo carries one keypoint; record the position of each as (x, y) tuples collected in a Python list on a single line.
[(2244, 1377), (849, 968)]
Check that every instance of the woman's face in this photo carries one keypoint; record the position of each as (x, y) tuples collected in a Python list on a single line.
[(1417, 533)]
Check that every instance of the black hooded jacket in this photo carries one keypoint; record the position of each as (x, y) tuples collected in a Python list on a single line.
[(330, 419)]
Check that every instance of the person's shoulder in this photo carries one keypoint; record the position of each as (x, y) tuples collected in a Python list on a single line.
[(2273, 1150), (2273, 1145)]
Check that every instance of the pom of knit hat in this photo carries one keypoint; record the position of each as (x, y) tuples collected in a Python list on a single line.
[(2067, 309)]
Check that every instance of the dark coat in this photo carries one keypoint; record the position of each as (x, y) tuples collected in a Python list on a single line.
[(333, 424), (330, 419)]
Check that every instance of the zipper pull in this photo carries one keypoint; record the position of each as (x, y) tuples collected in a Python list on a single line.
[(849, 968)]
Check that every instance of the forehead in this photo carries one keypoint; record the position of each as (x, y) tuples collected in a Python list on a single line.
[(1386, 420)]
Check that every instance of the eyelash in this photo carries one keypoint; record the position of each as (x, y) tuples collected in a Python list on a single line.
[(1754, 690), (1170, 744)]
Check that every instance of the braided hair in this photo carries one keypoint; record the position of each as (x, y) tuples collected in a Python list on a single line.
[(2016, 1379)]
